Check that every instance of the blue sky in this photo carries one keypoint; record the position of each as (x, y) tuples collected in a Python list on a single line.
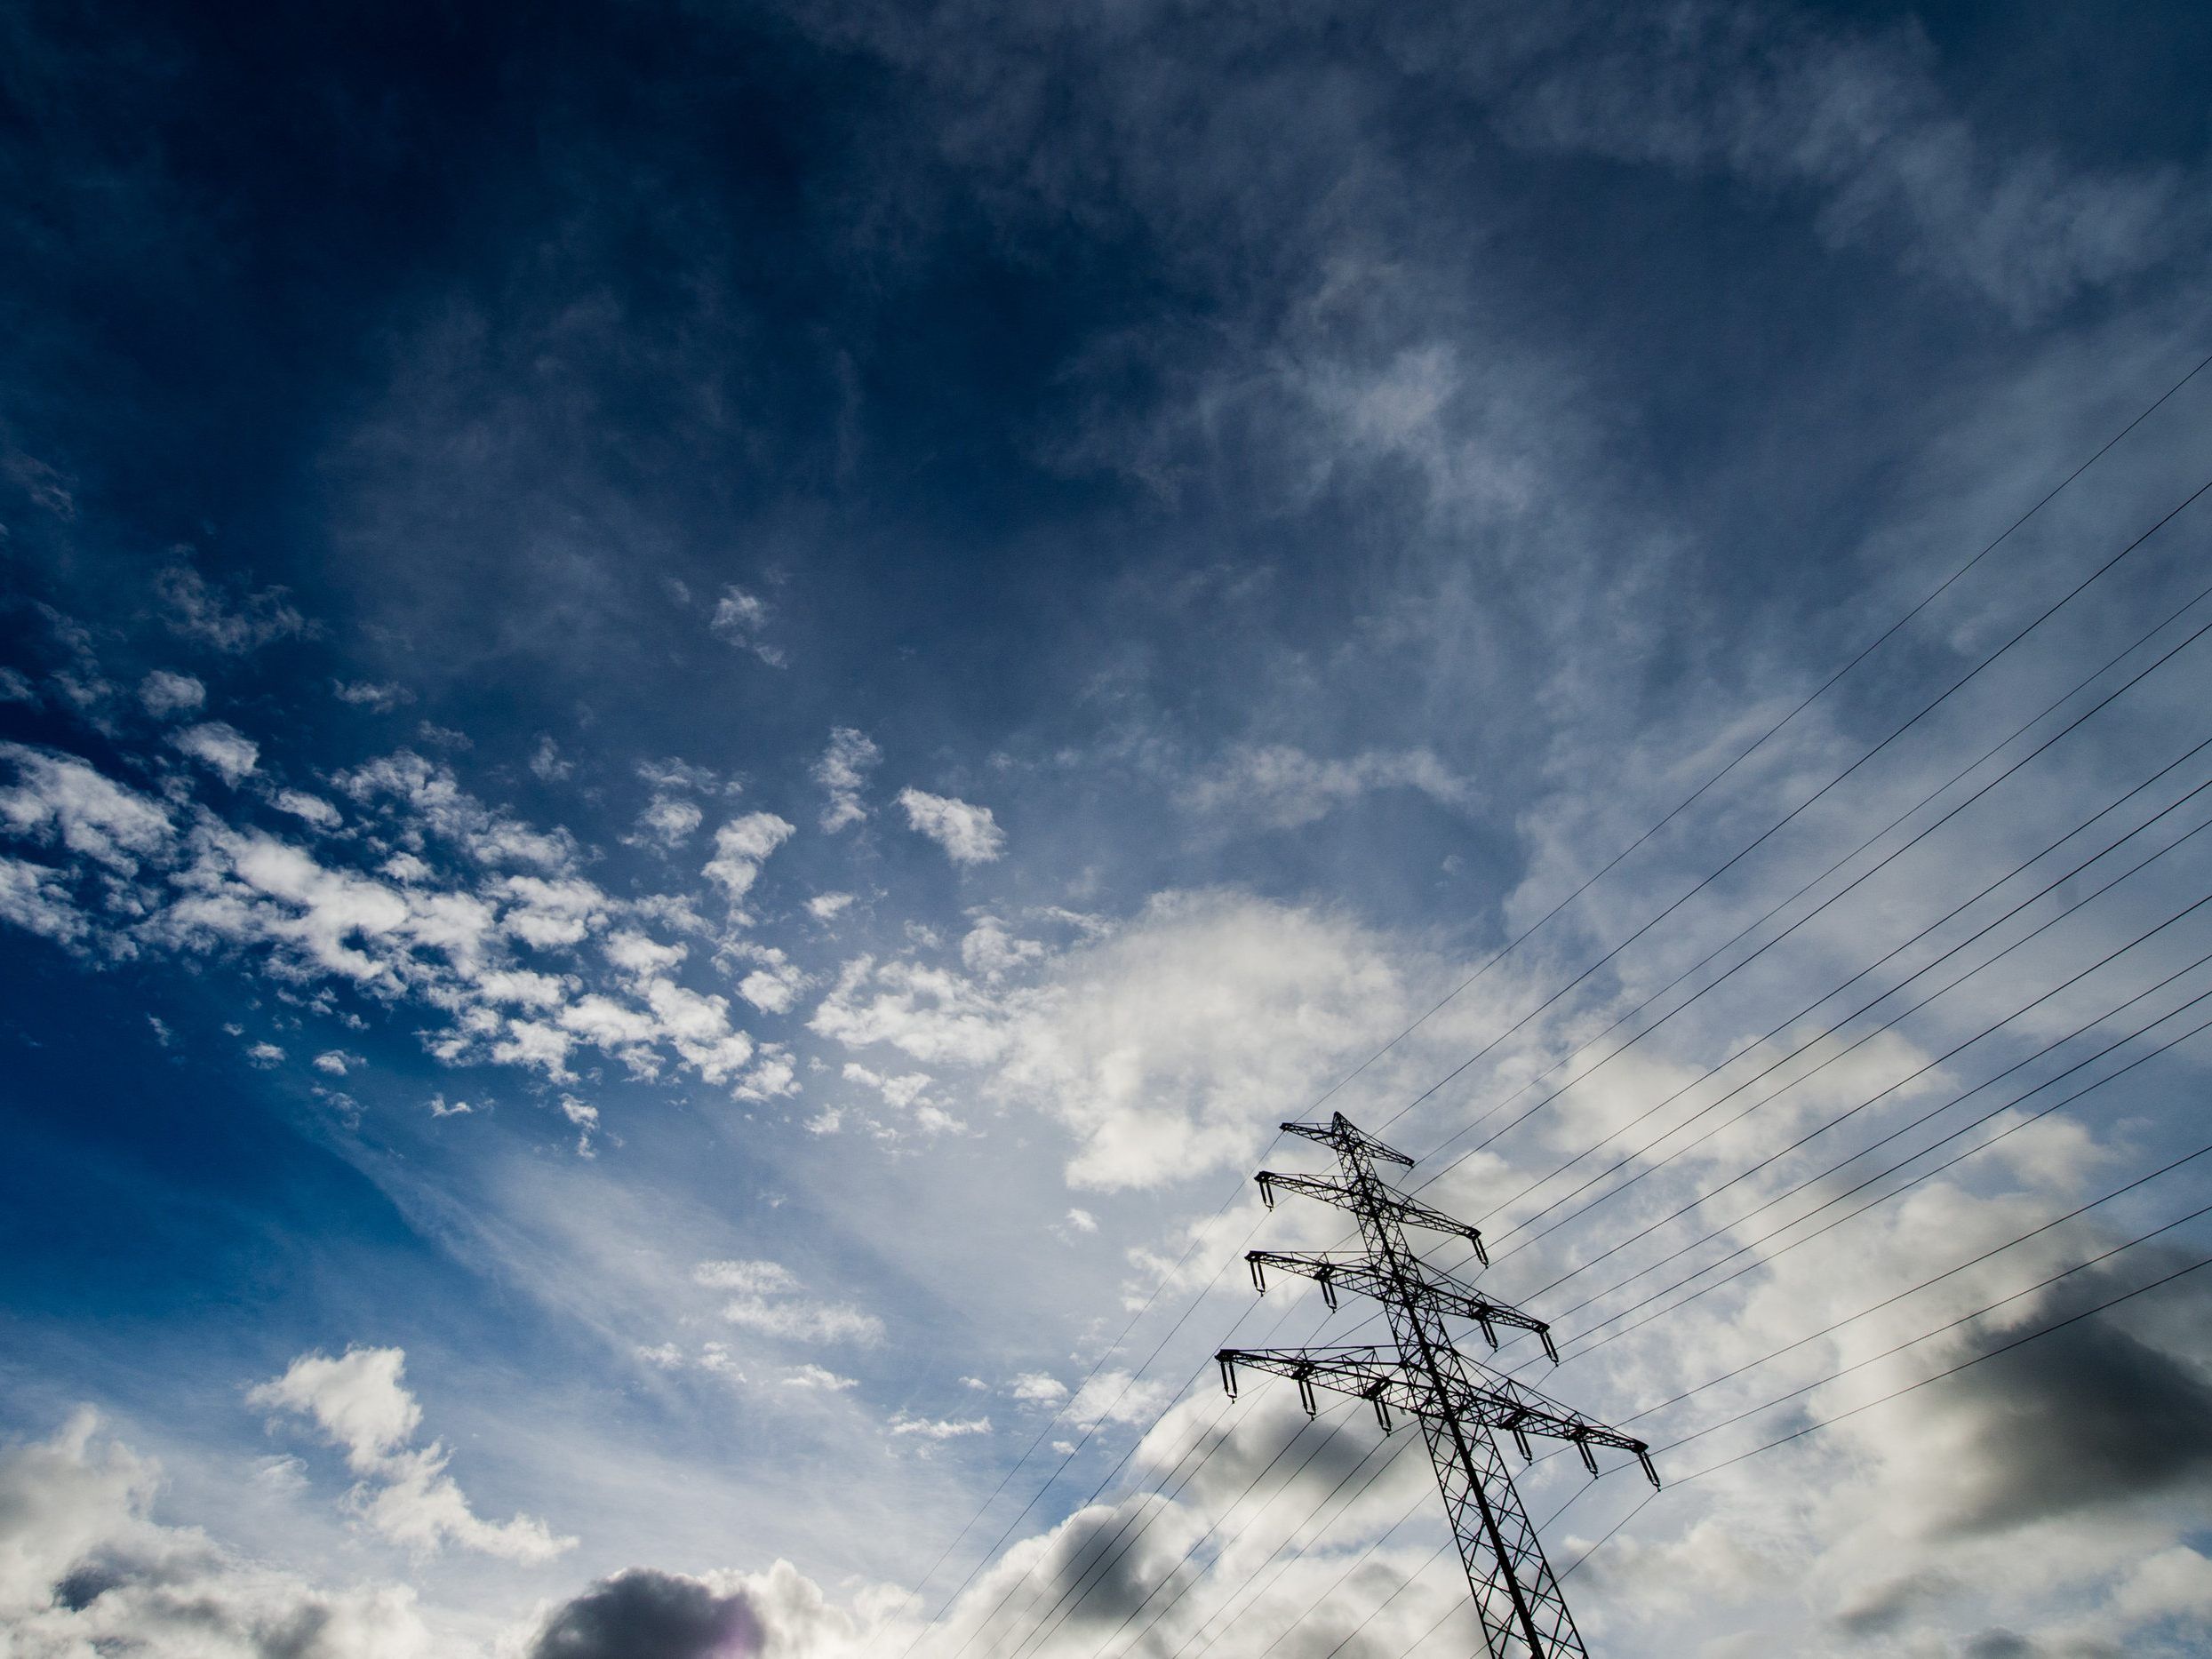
[(707, 709)]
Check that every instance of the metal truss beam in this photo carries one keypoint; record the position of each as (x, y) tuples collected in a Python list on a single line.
[(1460, 1406)]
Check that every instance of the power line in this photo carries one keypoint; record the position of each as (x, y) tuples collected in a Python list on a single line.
[(1106, 1557), (1880, 1174), (1791, 815), (1176, 1601), (1668, 817), (1949, 1371), (1115, 1634), (1707, 1195), (2046, 1227), (1856, 1043), (1420, 1499), (1933, 1278), (1146, 1523), (1094, 1572), (1837, 1025), (1284, 1555), (1820, 690), (1846, 983), (1572, 1351), (1461, 1409), (2088, 680), (1953, 1324), (1870, 871), (1964, 1319)]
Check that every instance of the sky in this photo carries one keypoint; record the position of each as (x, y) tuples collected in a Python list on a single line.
[(707, 709)]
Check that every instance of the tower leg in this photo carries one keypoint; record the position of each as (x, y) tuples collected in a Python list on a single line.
[(1524, 1615)]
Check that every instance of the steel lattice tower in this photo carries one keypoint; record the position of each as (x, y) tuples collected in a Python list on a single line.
[(1461, 1406)]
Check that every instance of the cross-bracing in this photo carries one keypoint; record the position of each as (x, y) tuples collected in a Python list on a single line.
[(1461, 1406)]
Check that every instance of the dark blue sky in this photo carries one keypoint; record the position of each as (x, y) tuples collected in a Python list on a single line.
[(880, 633)]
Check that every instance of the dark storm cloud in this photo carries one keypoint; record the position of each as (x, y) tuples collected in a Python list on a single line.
[(1889, 1605), (2091, 1416), (1100, 1567), (1105, 1563), (643, 1614), (2004, 1644), (1277, 1445)]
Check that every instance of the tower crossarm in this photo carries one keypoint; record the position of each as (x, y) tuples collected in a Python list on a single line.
[(1372, 1374), (1343, 1136), (1379, 1376), (1362, 1276), (1372, 1201)]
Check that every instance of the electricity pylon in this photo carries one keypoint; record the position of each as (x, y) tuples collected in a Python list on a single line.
[(1460, 1405)]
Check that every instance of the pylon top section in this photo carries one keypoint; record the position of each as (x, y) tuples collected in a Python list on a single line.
[(1343, 1137)]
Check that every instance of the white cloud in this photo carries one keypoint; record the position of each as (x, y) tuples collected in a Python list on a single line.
[(164, 692), (637, 953), (842, 772), (1166, 1047), (741, 619), (674, 773), (357, 1400), (265, 1055), (1284, 787), (35, 898), (989, 949), (1117, 1397), (84, 1568), (1173, 1045), (1037, 1388), (370, 695), (60, 797), (752, 1278), (968, 834), (796, 1320), (417, 1505), (197, 609), (362, 1406), (931, 1013), (1083, 1220), (15, 687), (666, 821), (775, 983), (336, 1062), (715, 1357), (898, 1092), (1861, 119), (430, 802), (545, 763), (313, 809), (585, 1117), (552, 914), (828, 906), (222, 749), (741, 847), (815, 1377), (768, 1299), (428, 928), (772, 1078), (939, 1428)]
